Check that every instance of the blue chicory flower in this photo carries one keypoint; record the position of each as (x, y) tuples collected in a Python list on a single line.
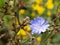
[(39, 25)]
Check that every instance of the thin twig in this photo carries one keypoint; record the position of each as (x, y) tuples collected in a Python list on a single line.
[(2, 35)]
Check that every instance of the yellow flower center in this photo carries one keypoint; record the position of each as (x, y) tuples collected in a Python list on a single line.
[(22, 11), (38, 38), (48, 13), (49, 4), (38, 1), (27, 28), (33, 14), (38, 8), (21, 32)]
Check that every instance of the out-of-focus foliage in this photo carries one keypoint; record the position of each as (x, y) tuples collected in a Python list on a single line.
[(19, 18), (2, 3)]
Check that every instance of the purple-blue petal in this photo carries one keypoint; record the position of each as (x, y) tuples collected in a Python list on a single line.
[(39, 25)]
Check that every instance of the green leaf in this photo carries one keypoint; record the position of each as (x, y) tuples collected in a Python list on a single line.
[(1, 3), (49, 43), (1, 42), (56, 38), (7, 19)]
